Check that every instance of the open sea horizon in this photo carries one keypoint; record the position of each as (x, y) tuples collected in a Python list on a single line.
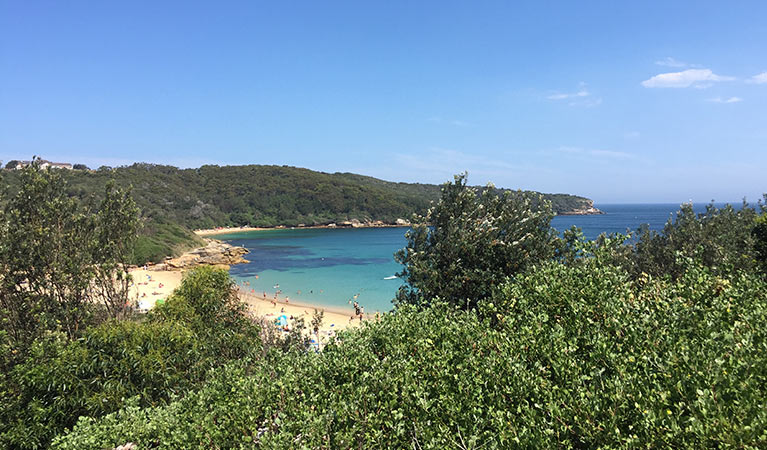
[(331, 268)]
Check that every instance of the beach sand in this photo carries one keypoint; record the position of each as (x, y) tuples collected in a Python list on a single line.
[(146, 288), (146, 291), (333, 319), (228, 230), (221, 230)]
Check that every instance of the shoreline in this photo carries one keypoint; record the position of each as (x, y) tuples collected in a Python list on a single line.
[(228, 230), (151, 286), (281, 300), (334, 318)]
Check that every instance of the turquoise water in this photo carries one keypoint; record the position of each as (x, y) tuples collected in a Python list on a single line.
[(330, 267)]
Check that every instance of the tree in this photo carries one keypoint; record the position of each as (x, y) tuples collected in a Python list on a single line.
[(469, 242), (760, 240), (80, 167), (316, 323), (207, 303), (12, 164), (54, 251), (116, 228)]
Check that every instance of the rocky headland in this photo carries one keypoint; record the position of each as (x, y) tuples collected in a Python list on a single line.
[(216, 253)]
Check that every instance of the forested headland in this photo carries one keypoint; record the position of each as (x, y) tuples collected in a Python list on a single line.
[(506, 334), (173, 201)]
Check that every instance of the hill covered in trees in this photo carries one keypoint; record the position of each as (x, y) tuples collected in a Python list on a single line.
[(174, 201), (266, 196)]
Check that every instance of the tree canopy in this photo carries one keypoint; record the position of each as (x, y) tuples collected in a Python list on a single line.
[(469, 242)]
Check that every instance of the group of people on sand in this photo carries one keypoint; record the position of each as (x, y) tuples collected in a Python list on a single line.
[(359, 311)]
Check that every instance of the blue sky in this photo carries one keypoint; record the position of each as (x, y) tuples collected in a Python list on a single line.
[(648, 102)]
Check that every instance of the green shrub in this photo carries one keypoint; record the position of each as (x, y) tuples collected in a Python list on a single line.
[(207, 303), (651, 363), (581, 356), (760, 240), (62, 379), (720, 238), (201, 326)]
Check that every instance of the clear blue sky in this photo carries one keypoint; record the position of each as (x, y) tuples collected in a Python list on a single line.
[(647, 102)]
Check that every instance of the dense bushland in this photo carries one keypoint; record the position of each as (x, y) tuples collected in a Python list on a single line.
[(147, 362), (508, 336), (69, 343), (159, 239), (582, 356)]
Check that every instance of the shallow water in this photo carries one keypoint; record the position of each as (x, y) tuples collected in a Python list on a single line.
[(331, 267)]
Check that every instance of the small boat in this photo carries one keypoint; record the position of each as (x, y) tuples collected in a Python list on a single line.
[(391, 277)]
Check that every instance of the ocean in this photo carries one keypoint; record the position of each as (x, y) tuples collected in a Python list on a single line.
[(334, 267)]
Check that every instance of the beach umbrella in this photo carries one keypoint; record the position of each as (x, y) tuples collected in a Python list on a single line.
[(282, 320)]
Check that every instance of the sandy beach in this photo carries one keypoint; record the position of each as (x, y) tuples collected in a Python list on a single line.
[(332, 320), (222, 230), (227, 230), (150, 286)]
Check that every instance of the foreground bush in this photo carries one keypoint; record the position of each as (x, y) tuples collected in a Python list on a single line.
[(723, 239), (580, 356), (200, 327), (62, 380), (206, 302), (650, 363)]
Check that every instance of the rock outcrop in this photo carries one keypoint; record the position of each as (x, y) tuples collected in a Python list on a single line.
[(216, 253), (586, 210)]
